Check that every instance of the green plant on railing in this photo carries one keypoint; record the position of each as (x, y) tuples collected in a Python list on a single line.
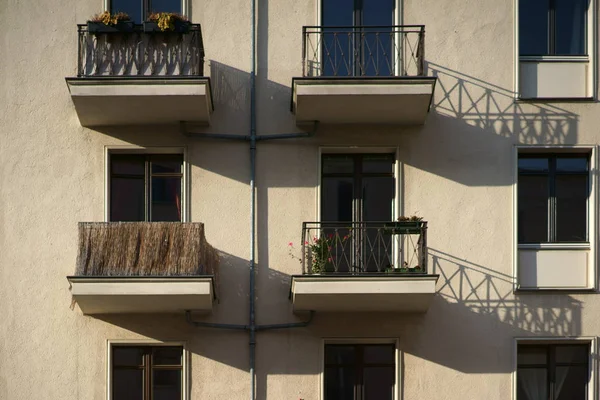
[(110, 19), (319, 252), (166, 21), (412, 218)]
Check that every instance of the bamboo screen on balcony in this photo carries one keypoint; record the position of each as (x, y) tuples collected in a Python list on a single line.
[(144, 249)]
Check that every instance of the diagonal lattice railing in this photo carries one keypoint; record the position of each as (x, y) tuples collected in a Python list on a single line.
[(141, 54), (364, 247), (367, 51)]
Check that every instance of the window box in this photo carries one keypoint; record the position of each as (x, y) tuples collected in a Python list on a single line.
[(179, 27), (119, 27), (404, 227)]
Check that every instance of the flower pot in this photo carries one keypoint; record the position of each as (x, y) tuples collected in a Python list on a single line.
[(119, 27), (404, 227), (178, 27)]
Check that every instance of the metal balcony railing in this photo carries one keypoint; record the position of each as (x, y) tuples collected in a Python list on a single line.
[(363, 51), (364, 247), (140, 54)]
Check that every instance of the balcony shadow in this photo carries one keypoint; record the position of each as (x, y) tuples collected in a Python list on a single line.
[(473, 125)]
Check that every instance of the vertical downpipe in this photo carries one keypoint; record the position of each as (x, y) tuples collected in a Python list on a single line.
[(252, 341)]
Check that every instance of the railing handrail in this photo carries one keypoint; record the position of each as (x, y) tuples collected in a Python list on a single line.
[(421, 27)]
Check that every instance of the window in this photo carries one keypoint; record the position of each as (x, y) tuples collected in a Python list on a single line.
[(554, 371), (139, 10), (552, 27), (146, 187), (369, 48), (147, 372), (359, 372), (553, 198), (357, 187)]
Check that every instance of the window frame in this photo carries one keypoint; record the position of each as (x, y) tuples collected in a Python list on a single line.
[(397, 394), (397, 172), (184, 8), (593, 215), (552, 175), (546, 341), (139, 150), (185, 382)]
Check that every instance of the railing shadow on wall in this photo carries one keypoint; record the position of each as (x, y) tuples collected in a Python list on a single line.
[(484, 105)]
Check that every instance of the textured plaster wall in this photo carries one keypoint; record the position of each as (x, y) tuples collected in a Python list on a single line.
[(457, 172)]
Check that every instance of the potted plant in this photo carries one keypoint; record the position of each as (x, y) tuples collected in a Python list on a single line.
[(166, 22), (405, 225), (110, 23)]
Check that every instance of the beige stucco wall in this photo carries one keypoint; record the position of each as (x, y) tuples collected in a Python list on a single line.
[(457, 173)]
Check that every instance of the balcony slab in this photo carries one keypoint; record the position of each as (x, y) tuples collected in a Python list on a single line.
[(354, 293), (401, 100), (108, 101), (133, 295)]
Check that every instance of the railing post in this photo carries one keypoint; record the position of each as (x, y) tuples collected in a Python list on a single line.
[(79, 53), (303, 247), (424, 247), (421, 52), (304, 38)]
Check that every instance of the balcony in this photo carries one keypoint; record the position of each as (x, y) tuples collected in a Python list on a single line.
[(144, 267), (363, 74), (363, 266), (139, 78)]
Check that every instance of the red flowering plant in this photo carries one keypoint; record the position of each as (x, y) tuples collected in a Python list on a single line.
[(319, 252)]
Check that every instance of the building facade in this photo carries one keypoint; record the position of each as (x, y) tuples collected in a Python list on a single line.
[(320, 199)]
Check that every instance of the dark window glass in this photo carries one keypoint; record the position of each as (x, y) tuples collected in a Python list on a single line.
[(533, 27), (378, 198), (128, 356), (553, 198), (338, 165), (533, 209), (379, 354), (134, 8), (145, 187), (571, 208), (337, 198), (128, 384), (173, 6), (533, 164), (359, 372), (166, 384), (127, 199), (338, 13), (383, 164), (166, 356), (570, 27), (166, 199), (559, 370)]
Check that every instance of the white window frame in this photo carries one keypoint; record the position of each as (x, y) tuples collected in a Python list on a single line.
[(185, 185), (185, 389), (185, 4), (593, 357), (593, 214), (591, 58), (397, 357)]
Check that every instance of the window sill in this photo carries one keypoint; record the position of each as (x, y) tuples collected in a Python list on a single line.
[(555, 246), (532, 290), (555, 100)]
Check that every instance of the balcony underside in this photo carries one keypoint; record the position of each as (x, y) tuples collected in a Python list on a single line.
[(389, 293), (140, 101), (402, 100), (133, 295)]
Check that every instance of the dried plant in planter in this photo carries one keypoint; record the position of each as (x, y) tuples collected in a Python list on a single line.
[(108, 23), (167, 22)]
